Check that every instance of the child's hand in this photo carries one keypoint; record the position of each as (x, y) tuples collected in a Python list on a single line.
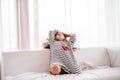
[(73, 35), (70, 35)]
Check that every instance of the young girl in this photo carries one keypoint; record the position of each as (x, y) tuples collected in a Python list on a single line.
[(62, 57)]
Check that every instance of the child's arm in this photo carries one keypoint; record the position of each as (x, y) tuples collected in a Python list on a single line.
[(72, 39), (70, 35), (52, 36)]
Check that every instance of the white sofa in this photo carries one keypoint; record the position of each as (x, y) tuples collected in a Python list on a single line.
[(34, 65)]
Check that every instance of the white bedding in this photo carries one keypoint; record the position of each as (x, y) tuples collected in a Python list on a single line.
[(96, 74), (47, 76)]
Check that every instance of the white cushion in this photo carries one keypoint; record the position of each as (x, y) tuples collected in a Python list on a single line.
[(95, 56), (16, 62), (106, 74), (97, 74), (114, 54)]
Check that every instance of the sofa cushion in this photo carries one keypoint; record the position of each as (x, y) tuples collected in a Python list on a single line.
[(16, 62), (106, 74), (96, 74), (95, 56), (114, 54)]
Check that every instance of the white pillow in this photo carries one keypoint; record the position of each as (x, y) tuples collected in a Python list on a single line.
[(114, 54), (96, 56)]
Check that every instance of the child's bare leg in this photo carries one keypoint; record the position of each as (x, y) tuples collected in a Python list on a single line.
[(55, 69)]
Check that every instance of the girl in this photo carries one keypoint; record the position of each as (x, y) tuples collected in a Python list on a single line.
[(62, 58)]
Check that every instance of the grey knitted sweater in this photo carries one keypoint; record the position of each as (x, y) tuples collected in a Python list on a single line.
[(62, 54)]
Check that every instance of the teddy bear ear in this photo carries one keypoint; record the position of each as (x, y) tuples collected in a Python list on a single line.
[(46, 44), (76, 48)]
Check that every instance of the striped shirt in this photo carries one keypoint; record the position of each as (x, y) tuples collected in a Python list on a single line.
[(62, 54)]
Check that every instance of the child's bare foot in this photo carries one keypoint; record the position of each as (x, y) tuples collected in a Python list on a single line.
[(55, 69)]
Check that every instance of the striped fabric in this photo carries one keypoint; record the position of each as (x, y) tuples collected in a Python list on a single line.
[(62, 54)]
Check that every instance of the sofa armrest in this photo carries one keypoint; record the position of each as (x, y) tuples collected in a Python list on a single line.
[(17, 62)]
